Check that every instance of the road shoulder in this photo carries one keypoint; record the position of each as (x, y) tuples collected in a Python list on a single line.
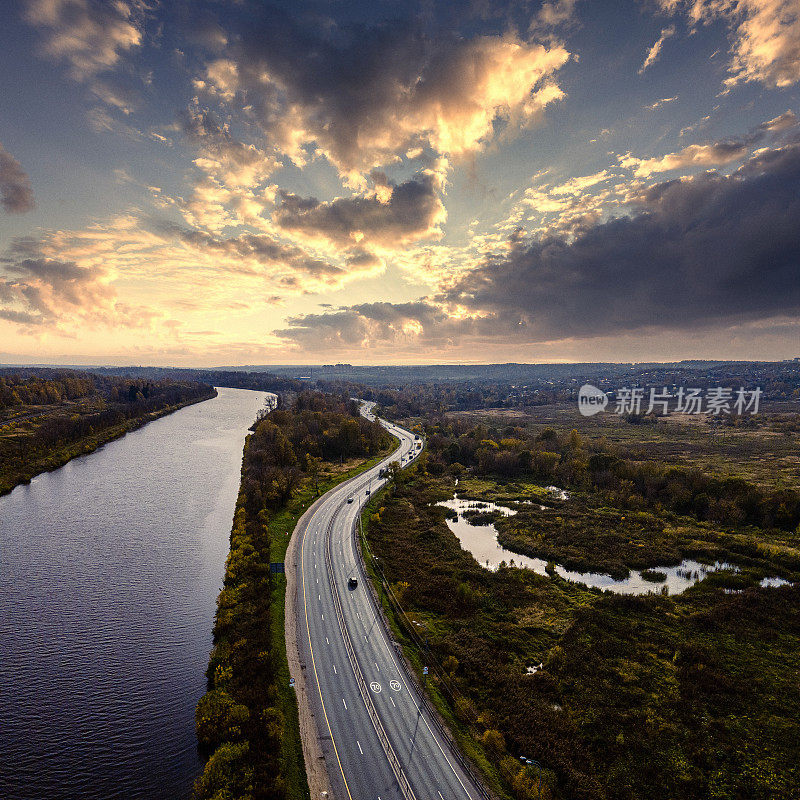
[(319, 783)]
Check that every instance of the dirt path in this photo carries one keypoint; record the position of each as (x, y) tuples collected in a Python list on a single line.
[(316, 771)]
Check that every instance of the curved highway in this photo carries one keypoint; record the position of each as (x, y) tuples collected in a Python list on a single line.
[(378, 739)]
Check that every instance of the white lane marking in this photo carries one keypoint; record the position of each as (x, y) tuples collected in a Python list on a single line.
[(362, 753), (323, 616), (326, 640), (439, 793), (377, 667), (334, 670), (345, 704), (392, 699), (319, 596), (358, 614)]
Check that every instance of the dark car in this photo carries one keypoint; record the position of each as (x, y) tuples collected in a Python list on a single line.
[(349, 499), (352, 583)]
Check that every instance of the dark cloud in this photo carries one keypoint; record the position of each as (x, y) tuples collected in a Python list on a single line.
[(373, 325), (365, 94), (16, 194), (261, 247), (709, 249), (412, 211), (701, 252)]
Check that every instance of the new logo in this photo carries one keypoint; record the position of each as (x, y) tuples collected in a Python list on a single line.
[(591, 400)]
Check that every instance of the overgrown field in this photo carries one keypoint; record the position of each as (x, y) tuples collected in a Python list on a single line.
[(686, 696)]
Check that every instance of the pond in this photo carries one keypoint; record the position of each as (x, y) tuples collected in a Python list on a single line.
[(481, 541)]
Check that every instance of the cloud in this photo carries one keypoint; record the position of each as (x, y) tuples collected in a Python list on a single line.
[(399, 215), (365, 96), (662, 102), (371, 326), (695, 155), (88, 35), (698, 253), (707, 155), (655, 51), (230, 161), (39, 291), (231, 191), (291, 267), (16, 194), (780, 123), (577, 185), (553, 14), (765, 36)]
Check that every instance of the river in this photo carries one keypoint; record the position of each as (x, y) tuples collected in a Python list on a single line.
[(109, 572)]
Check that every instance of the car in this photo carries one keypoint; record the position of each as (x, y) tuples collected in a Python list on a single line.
[(352, 582), (349, 499), (367, 491)]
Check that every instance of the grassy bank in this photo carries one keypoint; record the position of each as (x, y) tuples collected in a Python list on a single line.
[(247, 722), (453, 707)]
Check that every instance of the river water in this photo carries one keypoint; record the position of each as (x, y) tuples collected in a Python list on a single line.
[(109, 573)]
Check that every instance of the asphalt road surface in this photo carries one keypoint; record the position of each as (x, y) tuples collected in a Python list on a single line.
[(378, 739)]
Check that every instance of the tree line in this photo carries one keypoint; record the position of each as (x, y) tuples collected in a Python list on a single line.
[(239, 721), (544, 455), (72, 412)]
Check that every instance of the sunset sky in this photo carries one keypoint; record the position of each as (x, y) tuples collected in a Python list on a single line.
[(211, 183)]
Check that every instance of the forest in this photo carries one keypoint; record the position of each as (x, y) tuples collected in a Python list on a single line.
[(246, 724), (610, 696), (597, 465), (49, 416)]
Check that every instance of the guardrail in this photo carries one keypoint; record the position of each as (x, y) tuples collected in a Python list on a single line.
[(394, 762), (411, 677)]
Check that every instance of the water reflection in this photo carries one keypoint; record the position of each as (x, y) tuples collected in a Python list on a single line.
[(110, 571), (481, 541)]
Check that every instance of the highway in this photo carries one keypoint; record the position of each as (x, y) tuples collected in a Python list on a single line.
[(378, 739)]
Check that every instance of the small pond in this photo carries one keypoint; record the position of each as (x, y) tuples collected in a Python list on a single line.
[(481, 541)]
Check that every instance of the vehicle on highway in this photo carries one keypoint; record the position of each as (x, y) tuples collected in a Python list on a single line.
[(353, 582), (349, 499)]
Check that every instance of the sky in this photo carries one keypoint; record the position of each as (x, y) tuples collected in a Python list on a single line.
[(230, 183)]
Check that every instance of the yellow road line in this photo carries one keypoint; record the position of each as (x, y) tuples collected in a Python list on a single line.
[(314, 665)]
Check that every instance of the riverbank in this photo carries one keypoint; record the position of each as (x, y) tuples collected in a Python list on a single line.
[(27, 459), (248, 721), (111, 570)]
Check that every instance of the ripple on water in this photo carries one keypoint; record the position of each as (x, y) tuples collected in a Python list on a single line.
[(110, 571)]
